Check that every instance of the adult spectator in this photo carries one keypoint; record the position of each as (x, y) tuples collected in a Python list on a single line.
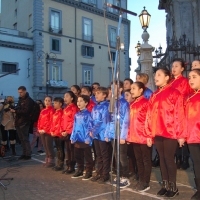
[(22, 121)]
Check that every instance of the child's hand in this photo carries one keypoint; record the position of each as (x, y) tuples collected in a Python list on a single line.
[(91, 135), (149, 142), (181, 142), (106, 139), (52, 134), (72, 142), (86, 142), (122, 141), (64, 134)]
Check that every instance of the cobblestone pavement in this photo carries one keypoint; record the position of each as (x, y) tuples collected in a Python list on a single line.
[(32, 181)]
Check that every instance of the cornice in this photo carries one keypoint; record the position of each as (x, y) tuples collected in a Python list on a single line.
[(92, 9), (16, 46)]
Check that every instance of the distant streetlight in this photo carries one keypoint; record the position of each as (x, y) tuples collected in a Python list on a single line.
[(137, 48)]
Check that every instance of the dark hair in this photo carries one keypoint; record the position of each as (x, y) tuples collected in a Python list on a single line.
[(181, 61), (103, 90), (129, 80), (140, 85), (197, 71), (166, 72), (121, 84), (59, 99), (95, 83), (129, 90), (50, 97), (88, 88), (23, 88), (85, 98), (40, 101), (41, 104), (77, 88), (72, 95)]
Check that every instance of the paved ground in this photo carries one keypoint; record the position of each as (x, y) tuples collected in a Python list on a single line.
[(32, 181)]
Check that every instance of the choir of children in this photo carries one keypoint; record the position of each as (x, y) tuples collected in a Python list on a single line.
[(167, 117)]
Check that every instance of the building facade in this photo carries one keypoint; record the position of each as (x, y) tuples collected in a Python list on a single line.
[(70, 41), (16, 62)]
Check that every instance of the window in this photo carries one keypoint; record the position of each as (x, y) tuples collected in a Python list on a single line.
[(15, 26), (55, 21), (30, 21), (55, 73), (89, 1), (113, 54), (87, 51), (112, 36), (55, 45), (87, 29), (111, 2), (87, 74), (15, 12), (9, 68)]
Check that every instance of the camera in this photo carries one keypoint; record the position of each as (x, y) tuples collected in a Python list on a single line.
[(10, 106)]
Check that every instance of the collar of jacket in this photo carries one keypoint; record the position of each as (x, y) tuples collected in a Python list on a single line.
[(82, 111), (25, 97), (102, 102)]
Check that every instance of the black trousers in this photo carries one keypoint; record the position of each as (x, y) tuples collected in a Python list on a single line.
[(59, 153), (103, 157), (4, 133), (195, 153), (123, 159), (47, 141), (80, 155), (131, 159), (69, 150), (182, 151), (23, 133), (143, 159), (166, 149)]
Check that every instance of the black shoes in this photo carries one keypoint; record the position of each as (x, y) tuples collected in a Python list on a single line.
[(58, 168), (95, 178), (103, 179), (164, 188), (172, 190), (88, 175), (78, 174), (23, 157)]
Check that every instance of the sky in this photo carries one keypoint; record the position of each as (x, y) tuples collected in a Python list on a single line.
[(156, 30)]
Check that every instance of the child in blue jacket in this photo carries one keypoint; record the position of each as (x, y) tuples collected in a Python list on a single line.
[(99, 122), (81, 137), (110, 134)]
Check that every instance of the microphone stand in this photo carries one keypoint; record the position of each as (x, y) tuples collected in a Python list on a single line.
[(113, 107)]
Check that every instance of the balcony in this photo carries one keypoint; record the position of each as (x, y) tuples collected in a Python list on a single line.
[(58, 84), (55, 30), (88, 38)]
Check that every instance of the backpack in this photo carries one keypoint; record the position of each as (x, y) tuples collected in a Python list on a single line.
[(34, 115)]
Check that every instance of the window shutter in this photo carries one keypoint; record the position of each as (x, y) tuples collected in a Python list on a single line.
[(83, 50), (92, 51)]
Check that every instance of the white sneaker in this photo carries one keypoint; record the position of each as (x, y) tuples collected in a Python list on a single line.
[(124, 182)]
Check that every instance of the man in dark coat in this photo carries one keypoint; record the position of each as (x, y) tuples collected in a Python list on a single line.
[(22, 121)]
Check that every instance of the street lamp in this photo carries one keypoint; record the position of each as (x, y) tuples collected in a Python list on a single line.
[(47, 56), (137, 48), (144, 19)]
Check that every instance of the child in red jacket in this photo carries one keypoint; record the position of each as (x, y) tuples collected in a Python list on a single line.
[(193, 126), (44, 124), (87, 90), (136, 136), (67, 126), (56, 132), (165, 124)]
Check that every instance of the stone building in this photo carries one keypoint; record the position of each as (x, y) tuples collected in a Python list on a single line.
[(73, 34)]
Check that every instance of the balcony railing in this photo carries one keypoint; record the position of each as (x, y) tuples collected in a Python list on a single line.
[(87, 37), (56, 30)]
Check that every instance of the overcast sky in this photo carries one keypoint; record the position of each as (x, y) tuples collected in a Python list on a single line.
[(157, 29)]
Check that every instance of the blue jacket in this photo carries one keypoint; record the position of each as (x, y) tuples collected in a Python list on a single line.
[(147, 93), (94, 99), (82, 126), (100, 114), (124, 112)]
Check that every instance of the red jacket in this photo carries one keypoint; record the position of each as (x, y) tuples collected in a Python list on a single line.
[(182, 85), (45, 119), (68, 118), (91, 105), (138, 110), (192, 111), (165, 115), (56, 123)]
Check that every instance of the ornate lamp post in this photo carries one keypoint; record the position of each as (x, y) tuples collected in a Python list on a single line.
[(41, 54), (146, 49)]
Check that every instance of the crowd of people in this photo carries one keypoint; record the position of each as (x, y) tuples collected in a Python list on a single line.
[(81, 125)]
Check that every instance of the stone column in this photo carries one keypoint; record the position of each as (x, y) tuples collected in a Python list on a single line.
[(146, 60)]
